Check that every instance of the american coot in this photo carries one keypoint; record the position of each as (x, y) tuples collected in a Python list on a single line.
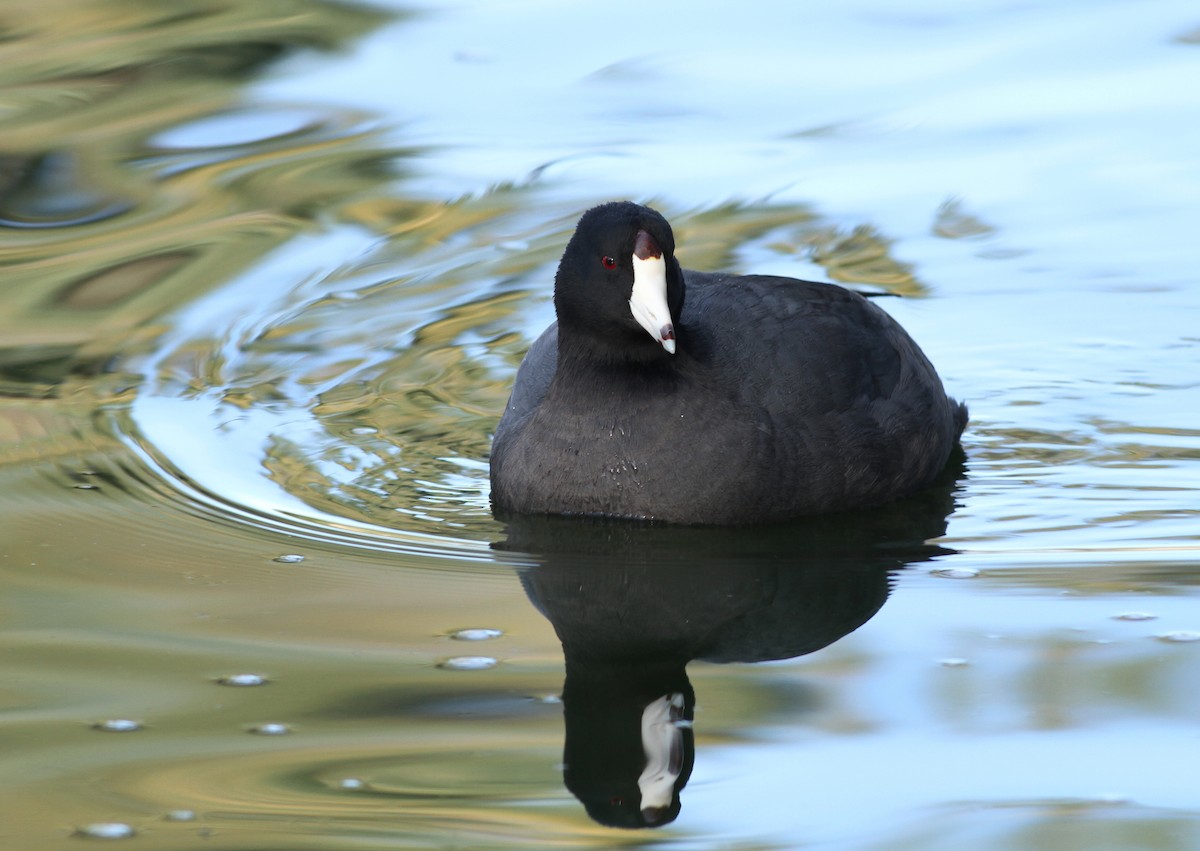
[(706, 398)]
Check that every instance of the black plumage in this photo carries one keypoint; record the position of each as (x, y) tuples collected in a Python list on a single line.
[(781, 398)]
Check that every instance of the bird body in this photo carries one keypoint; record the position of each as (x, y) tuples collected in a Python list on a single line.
[(728, 400)]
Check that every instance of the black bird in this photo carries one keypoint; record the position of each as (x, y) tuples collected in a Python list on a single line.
[(707, 398)]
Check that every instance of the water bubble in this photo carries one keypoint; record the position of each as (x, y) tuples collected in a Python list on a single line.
[(364, 430), (954, 662), (476, 634), (271, 729), (1134, 616), (86, 487), (180, 815), (106, 830), (549, 698), (351, 783), (1179, 636), (468, 663), (956, 572), (289, 558), (117, 725), (243, 680)]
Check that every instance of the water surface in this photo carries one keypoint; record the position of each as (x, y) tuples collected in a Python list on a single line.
[(268, 272)]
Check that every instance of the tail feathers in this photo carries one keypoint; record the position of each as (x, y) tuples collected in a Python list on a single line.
[(960, 417)]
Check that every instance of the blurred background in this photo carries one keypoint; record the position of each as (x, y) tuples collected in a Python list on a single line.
[(267, 270)]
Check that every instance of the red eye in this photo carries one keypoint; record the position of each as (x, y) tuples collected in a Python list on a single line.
[(609, 262)]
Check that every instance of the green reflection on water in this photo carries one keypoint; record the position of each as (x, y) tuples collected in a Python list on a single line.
[(105, 229)]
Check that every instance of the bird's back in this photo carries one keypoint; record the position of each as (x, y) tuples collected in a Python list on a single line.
[(858, 415)]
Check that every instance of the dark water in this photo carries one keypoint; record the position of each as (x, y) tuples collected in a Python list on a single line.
[(268, 270)]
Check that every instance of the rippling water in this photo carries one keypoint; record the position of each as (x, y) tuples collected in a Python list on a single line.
[(268, 270)]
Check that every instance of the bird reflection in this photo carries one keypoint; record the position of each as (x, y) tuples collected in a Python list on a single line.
[(633, 604)]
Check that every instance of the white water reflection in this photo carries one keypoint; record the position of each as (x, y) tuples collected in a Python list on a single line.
[(861, 108), (1043, 717)]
